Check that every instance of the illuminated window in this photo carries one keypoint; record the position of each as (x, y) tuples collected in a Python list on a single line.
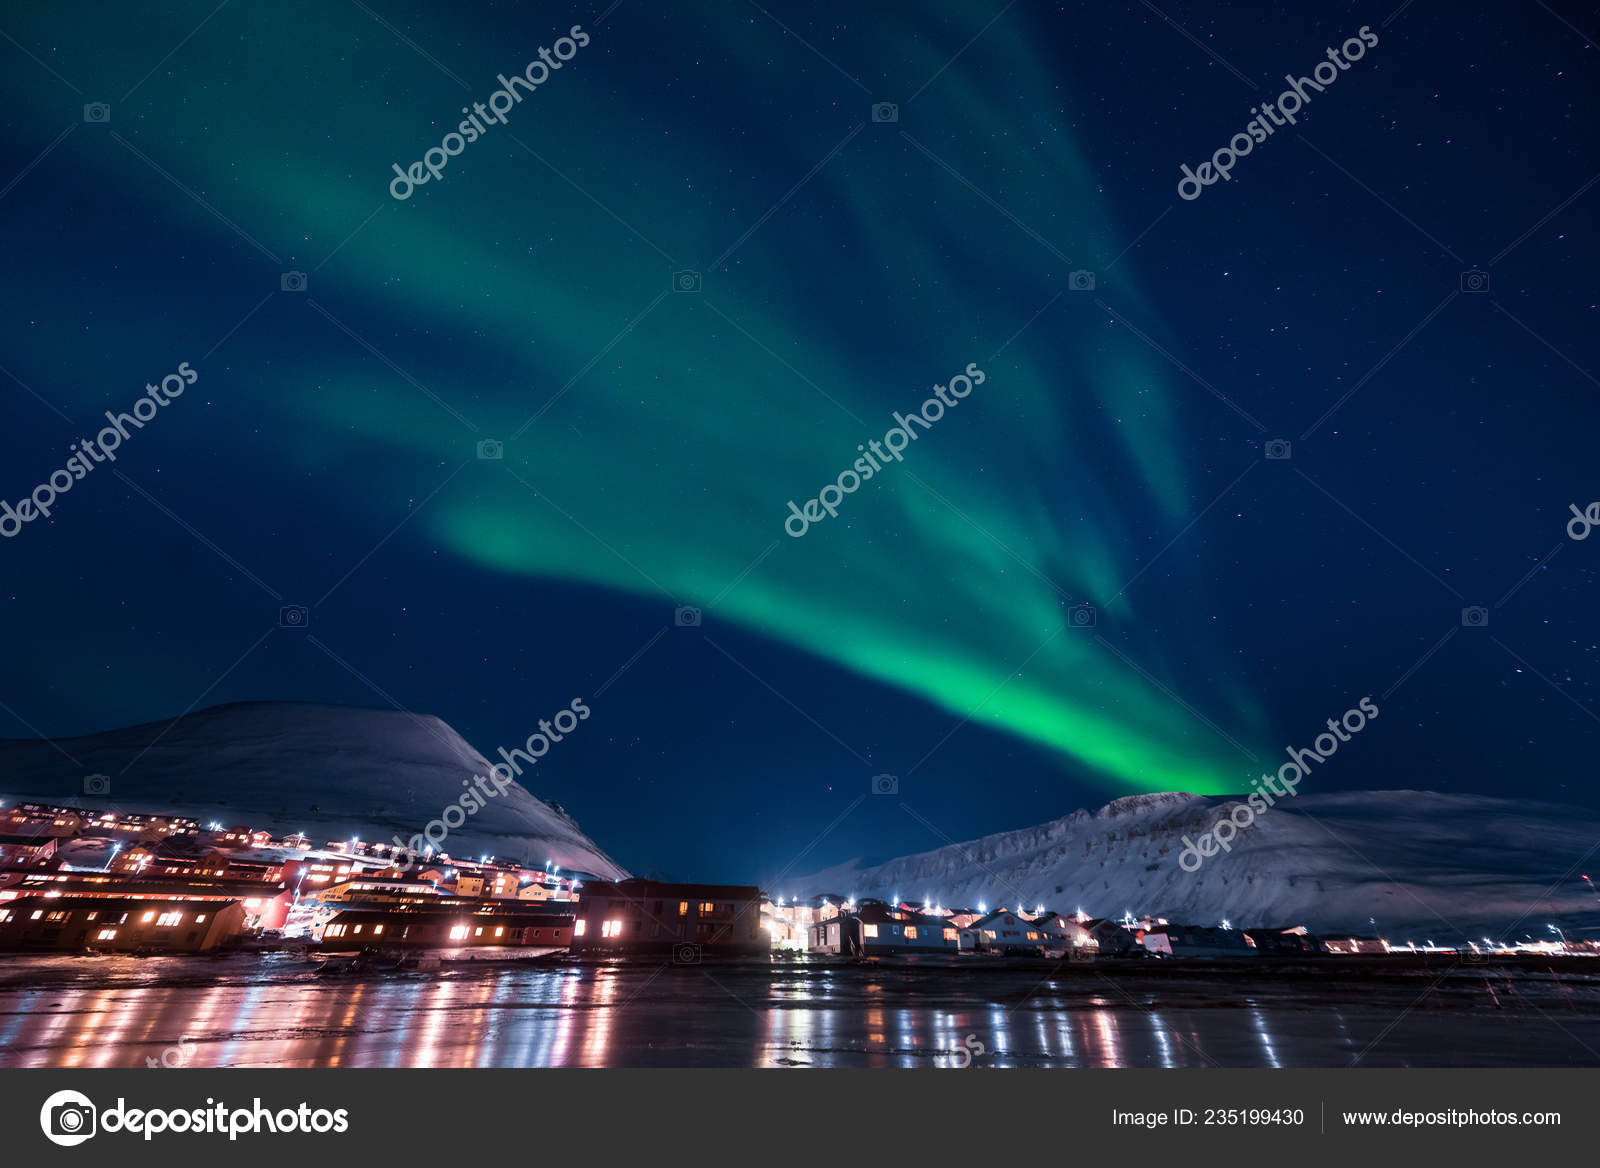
[(950, 935), (683, 908), (911, 932), (499, 932), (707, 908), (989, 933), (358, 928), (611, 929), (870, 930), (458, 933), (578, 930), (478, 932), (376, 930), (148, 917), (105, 934), (1032, 936), (37, 913), (56, 916), (168, 919)]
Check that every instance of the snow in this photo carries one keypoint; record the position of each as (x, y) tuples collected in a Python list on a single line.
[(368, 773), (1425, 865)]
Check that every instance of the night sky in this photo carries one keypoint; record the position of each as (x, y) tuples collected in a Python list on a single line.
[(1115, 454)]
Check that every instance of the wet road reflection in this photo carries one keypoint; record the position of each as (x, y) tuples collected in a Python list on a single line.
[(275, 1011)]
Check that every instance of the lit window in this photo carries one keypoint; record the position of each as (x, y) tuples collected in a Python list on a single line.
[(201, 919), (989, 933), (458, 933), (358, 928), (478, 932), (499, 932), (683, 908), (950, 935), (1032, 936), (376, 930), (870, 930), (105, 935), (579, 929), (168, 919), (911, 932), (56, 916), (611, 929), (148, 917)]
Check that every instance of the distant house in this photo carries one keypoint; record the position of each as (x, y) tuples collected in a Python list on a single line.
[(1280, 942), (1063, 935), (1199, 941), (650, 915), (1113, 938), (1008, 934), (1352, 946), (146, 924), (876, 929), (463, 927), (27, 851)]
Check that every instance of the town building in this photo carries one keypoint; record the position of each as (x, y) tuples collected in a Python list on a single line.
[(1199, 941), (445, 928), (1007, 934), (876, 929), (645, 915), (119, 924)]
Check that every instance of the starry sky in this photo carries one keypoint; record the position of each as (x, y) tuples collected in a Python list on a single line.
[(681, 284)]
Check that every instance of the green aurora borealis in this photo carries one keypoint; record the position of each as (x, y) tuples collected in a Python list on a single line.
[(665, 469)]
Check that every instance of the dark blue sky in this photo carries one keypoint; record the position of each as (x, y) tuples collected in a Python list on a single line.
[(1114, 456)]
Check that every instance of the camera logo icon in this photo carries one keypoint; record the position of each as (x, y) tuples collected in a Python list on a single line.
[(686, 617), (97, 784), (885, 785), (292, 282), (885, 111), (1278, 449), (97, 111), (491, 449), (1083, 616), (1474, 280), (1080, 281), (1476, 617), (68, 1118), (294, 616), (686, 281), (686, 954)]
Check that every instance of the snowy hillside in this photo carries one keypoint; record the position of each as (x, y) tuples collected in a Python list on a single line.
[(329, 771), (1423, 864)]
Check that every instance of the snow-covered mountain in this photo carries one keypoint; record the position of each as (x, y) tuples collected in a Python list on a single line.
[(329, 771), (1423, 864)]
